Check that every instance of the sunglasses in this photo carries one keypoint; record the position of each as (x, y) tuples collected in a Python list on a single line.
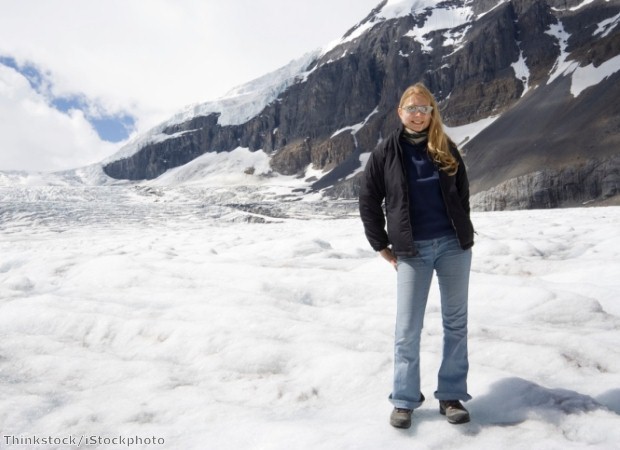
[(421, 109)]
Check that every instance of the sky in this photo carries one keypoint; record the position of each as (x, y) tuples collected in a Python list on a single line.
[(77, 79)]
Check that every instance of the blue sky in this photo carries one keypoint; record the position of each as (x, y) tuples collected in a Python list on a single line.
[(110, 127), (78, 79)]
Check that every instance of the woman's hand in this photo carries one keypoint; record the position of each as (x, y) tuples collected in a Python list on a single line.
[(387, 254)]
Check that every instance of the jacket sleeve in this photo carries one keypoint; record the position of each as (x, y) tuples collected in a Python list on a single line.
[(462, 182), (372, 194)]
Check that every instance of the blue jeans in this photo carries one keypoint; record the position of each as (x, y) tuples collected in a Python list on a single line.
[(452, 265)]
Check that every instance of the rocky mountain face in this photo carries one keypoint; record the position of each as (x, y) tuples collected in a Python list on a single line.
[(483, 58), (594, 181)]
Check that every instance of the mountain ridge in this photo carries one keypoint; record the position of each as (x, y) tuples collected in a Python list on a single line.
[(514, 61)]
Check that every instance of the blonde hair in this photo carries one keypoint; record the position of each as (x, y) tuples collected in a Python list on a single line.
[(438, 140)]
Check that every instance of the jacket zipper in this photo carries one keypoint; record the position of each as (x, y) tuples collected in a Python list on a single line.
[(406, 190)]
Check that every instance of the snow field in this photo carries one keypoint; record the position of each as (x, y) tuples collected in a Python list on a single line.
[(215, 334)]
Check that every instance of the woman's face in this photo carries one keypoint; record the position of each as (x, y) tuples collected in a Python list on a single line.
[(415, 121)]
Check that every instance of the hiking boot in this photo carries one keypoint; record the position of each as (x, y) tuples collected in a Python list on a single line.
[(401, 418), (454, 411)]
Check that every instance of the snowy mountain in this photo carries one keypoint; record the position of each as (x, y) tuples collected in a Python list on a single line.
[(528, 88)]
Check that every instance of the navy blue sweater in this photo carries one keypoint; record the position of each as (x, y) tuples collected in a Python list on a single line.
[(427, 209)]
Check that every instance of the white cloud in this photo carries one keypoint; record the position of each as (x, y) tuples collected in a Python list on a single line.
[(152, 58), (37, 137)]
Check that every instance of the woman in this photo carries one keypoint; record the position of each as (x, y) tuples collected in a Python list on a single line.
[(420, 175)]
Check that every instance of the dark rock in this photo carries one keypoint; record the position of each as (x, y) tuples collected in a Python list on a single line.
[(592, 181)]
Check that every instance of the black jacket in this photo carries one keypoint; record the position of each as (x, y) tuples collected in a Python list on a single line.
[(385, 179)]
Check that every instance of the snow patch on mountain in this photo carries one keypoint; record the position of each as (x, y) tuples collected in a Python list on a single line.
[(239, 166), (606, 26), (581, 77), (439, 18), (448, 18), (394, 9), (358, 126), (561, 65), (584, 77), (522, 72), (581, 5), (455, 38), (465, 133)]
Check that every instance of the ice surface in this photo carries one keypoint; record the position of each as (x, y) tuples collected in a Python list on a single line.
[(169, 312)]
